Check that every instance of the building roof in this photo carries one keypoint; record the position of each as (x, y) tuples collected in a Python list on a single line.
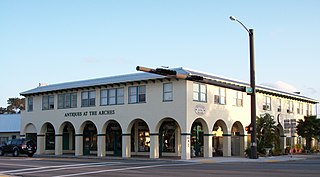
[(9, 123), (141, 76)]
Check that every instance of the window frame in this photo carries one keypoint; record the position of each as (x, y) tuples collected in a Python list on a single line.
[(47, 102), (139, 94), (118, 97), (30, 104), (90, 100), (68, 100), (199, 92), (167, 93)]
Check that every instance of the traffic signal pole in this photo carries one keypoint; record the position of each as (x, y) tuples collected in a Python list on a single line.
[(197, 78)]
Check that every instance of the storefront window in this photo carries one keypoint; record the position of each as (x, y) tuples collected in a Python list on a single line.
[(167, 131), (50, 137)]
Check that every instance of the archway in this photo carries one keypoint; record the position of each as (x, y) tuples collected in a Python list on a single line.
[(237, 139), (31, 132), (49, 133), (169, 137), (218, 140), (198, 129), (68, 138), (114, 138), (280, 146), (89, 138), (140, 137)]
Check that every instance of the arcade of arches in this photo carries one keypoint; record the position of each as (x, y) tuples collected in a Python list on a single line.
[(166, 139)]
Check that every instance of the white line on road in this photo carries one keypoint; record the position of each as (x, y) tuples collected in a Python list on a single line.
[(123, 169), (58, 166)]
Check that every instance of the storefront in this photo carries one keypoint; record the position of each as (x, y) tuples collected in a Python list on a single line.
[(143, 114)]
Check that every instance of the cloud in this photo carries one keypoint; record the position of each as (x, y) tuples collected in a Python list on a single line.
[(282, 86)]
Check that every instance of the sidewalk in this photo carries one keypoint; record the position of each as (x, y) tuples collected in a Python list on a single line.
[(260, 159)]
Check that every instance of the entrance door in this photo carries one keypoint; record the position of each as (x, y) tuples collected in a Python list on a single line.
[(197, 140)]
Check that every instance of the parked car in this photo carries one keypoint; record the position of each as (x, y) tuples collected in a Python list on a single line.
[(18, 146)]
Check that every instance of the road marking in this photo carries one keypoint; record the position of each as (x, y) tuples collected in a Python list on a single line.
[(123, 169), (58, 166)]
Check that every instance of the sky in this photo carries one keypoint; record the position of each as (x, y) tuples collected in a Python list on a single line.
[(56, 41)]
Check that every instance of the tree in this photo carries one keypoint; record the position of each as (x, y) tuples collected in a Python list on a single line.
[(309, 128), (15, 105), (267, 136)]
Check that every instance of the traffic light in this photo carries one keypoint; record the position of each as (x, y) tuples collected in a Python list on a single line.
[(249, 128), (165, 72)]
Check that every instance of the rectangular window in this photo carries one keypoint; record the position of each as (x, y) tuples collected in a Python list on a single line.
[(300, 108), (309, 110), (111, 96), (289, 106), (120, 95), (137, 94), (267, 103), (238, 99), (221, 97), (167, 92), (30, 104), (47, 102), (199, 92), (88, 98), (67, 100), (279, 105)]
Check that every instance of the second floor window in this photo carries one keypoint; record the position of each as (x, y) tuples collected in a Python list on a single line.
[(67, 100), (221, 97), (300, 108), (267, 103), (199, 92), (279, 105), (47, 102), (238, 99), (167, 92), (137, 94), (112, 96), (289, 106), (88, 98), (30, 104)]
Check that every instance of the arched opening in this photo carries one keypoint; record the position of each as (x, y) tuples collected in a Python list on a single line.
[(89, 139), (114, 138), (219, 130), (280, 146), (237, 139), (68, 138), (49, 137), (169, 138), (197, 136), (140, 138), (31, 132)]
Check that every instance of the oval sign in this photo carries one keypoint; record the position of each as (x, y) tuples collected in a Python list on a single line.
[(200, 110)]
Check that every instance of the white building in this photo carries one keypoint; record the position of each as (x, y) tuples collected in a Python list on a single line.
[(9, 127), (148, 114)]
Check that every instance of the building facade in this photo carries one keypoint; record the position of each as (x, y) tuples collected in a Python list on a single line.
[(153, 115), (9, 127)]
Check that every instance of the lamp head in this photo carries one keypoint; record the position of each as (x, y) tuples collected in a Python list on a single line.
[(233, 18)]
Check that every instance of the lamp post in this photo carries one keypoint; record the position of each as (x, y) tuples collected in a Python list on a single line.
[(253, 154)]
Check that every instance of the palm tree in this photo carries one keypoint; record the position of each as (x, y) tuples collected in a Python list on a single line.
[(309, 128), (267, 136)]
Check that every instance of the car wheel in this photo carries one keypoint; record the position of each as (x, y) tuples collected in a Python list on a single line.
[(1, 152), (30, 154), (15, 152)]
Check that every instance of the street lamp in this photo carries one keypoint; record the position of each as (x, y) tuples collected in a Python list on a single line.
[(253, 154)]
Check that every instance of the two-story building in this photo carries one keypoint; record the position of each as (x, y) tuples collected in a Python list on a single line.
[(153, 115)]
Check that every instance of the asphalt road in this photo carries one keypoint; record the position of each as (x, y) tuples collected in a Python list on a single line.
[(63, 167)]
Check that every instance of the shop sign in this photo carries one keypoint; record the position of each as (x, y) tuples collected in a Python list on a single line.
[(89, 113), (200, 110)]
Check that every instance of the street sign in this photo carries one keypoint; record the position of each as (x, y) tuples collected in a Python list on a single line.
[(249, 90)]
